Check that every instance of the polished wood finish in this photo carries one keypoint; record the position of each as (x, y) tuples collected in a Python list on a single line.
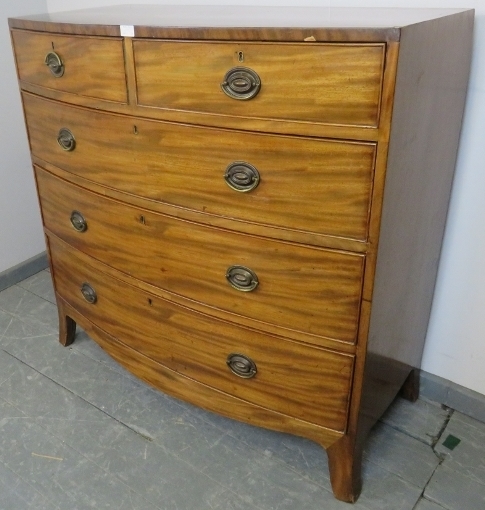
[(93, 66), (203, 345), (333, 178), (207, 397), (321, 296), (231, 22), (346, 91), (344, 229), (225, 222)]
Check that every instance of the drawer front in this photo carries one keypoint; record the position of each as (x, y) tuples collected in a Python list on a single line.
[(304, 289), (89, 66), (304, 184), (306, 382), (322, 83)]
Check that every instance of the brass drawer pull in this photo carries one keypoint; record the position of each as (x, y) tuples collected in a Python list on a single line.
[(241, 365), (89, 294), (78, 221), (241, 83), (241, 176), (66, 140), (54, 63), (242, 278)]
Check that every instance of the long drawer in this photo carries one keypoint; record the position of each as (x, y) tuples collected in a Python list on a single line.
[(306, 382), (322, 83), (311, 290), (289, 182), (89, 66)]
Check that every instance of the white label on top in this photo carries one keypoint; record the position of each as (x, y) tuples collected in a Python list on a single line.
[(127, 31)]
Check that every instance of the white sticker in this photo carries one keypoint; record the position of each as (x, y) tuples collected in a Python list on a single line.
[(127, 31)]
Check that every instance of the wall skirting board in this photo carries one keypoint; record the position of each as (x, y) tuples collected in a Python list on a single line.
[(23, 270), (433, 387), (452, 395)]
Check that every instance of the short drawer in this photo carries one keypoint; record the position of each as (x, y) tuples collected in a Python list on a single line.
[(88, 66), (312, 290), (322, 83), (293, 183), (305, 382)]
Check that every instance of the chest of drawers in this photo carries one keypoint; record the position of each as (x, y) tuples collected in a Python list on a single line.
[(245, 206)]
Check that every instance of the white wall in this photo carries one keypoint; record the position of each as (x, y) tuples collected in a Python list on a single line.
[(455, 345), (20, 228)]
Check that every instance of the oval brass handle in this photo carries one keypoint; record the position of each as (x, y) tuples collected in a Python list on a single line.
[(54, 63), (242, 278), (241, 83), (241, 176), (89, 294), (66, 140), (241, 365), (78, 221)]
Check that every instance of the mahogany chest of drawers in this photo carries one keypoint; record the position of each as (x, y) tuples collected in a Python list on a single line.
[(245, 206)]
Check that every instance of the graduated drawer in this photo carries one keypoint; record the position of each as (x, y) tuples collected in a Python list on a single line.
[(305, 184), (89, 66), (310, 290), (323, 83), (306, 382)]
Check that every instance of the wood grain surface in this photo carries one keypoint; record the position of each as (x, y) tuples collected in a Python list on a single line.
[(310, 185), (93, 66), (325, 83), (314, 388), (190, 390), (236, 22), (300, 288)]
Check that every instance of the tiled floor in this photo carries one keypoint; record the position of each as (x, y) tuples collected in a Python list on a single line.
[(78, 432)]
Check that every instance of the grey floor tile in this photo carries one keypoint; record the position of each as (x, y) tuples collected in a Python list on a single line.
[(272, 486), (118, 451), (23, 304), (421, 420), (302, 455), (9, 410), (383, 490), (140, 464), (468, 456), (200, 493), (5, 320), (231, 501), (22, 336), (17, 494), (454, 489), (88, 347), (401, 454), (425, 504), (65, 455), (8, 367), (40, 284), (392, 450), (58, 472)]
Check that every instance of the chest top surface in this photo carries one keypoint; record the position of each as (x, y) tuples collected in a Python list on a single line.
[(243, 22)]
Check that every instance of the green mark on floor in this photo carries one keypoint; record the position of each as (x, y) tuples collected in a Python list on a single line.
[(451, 442)]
